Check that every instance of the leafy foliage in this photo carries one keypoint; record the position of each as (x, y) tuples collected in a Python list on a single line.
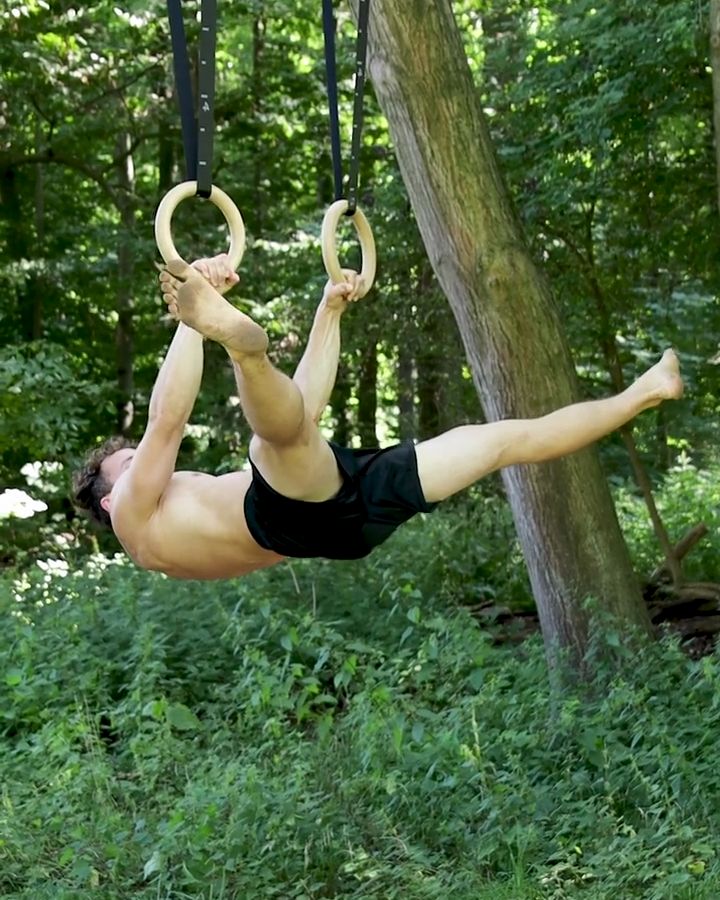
[(282, 737), (601, 117), (41, 418), (331, 730)]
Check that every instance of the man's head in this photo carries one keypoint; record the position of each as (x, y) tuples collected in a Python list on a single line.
[(94, 481)]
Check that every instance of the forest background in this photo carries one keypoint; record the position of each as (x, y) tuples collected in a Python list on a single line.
[(332, 729)]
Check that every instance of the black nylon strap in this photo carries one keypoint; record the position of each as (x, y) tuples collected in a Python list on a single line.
[(360, 59), (331, 79), (331, 76), (206, 96), (183, 87), (197, 131)]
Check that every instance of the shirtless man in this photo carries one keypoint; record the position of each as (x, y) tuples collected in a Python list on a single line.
[(302, 496)]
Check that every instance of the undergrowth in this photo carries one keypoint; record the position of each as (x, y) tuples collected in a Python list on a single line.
[(341, 730)]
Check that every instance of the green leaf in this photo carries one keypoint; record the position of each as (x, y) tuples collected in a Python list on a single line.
[(153, 865), (66, 856), (181, 717), (476, 679), (155, 709), (13, 677), (286, 642)]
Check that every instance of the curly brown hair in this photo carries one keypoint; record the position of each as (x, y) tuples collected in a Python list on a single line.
[(90, 485)]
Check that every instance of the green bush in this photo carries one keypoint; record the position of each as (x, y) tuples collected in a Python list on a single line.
[(687, 496), (334, 730)]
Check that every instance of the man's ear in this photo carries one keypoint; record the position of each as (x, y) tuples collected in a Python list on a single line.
[(105, 503)]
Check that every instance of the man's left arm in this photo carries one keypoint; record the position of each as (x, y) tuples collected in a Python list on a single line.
[(317, 370)]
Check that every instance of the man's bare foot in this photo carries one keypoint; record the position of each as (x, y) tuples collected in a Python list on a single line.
[(663, 381), (193, 300)]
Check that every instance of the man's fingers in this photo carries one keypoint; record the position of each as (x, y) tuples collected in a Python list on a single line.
[(350, 291), (358, 286), (216, 277), (226, 275), (218, 271), (352, 283), (203, 268), (221, 270)]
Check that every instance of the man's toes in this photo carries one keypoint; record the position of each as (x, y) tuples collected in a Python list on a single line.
[(178, 268)]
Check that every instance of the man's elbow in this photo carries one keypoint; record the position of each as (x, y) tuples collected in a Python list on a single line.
[(163, 422)]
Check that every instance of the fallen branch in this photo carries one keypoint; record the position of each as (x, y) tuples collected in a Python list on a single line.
[(688, 600), (702, 625), (680, 551)]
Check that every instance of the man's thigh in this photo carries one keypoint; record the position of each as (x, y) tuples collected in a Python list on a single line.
[(458, 458), (305, 470)]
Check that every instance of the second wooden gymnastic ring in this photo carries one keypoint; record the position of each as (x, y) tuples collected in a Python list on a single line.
[(329, 245)]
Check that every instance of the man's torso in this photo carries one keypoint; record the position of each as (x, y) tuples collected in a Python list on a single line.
[(197, 531)]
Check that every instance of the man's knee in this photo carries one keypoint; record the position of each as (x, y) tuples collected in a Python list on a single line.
[(302, 439), (305, 470)]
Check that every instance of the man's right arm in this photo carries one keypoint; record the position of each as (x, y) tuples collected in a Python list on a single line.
[(171, 403)]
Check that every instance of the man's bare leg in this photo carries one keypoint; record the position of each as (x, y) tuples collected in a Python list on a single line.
[(460, 457), (271, 402), (287, 446), (294, 469)]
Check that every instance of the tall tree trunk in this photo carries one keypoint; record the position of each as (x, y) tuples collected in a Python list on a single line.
[(433, 361), (18, 244), (715, 66), (642, 479), (429, 377), (509, 324), (405, 374), (124, 344), (339, 402), (38, 286), (257, 98), (367, 395)]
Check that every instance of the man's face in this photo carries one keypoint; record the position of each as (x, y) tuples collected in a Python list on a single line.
[(114, 465)]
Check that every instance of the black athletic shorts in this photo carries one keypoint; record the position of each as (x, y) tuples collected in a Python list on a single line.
[(380, 491)]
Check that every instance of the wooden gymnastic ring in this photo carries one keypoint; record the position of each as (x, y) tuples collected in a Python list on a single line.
[(329, 246), (170, 202)]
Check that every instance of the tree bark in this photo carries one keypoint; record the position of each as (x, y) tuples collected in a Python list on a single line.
[(429, 389), (405, 374), (339, 402), (509, 324), (21, 245), (257, 102), (124, 342), (642, 479), (715, 67), (38, 286), (367, 395)]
